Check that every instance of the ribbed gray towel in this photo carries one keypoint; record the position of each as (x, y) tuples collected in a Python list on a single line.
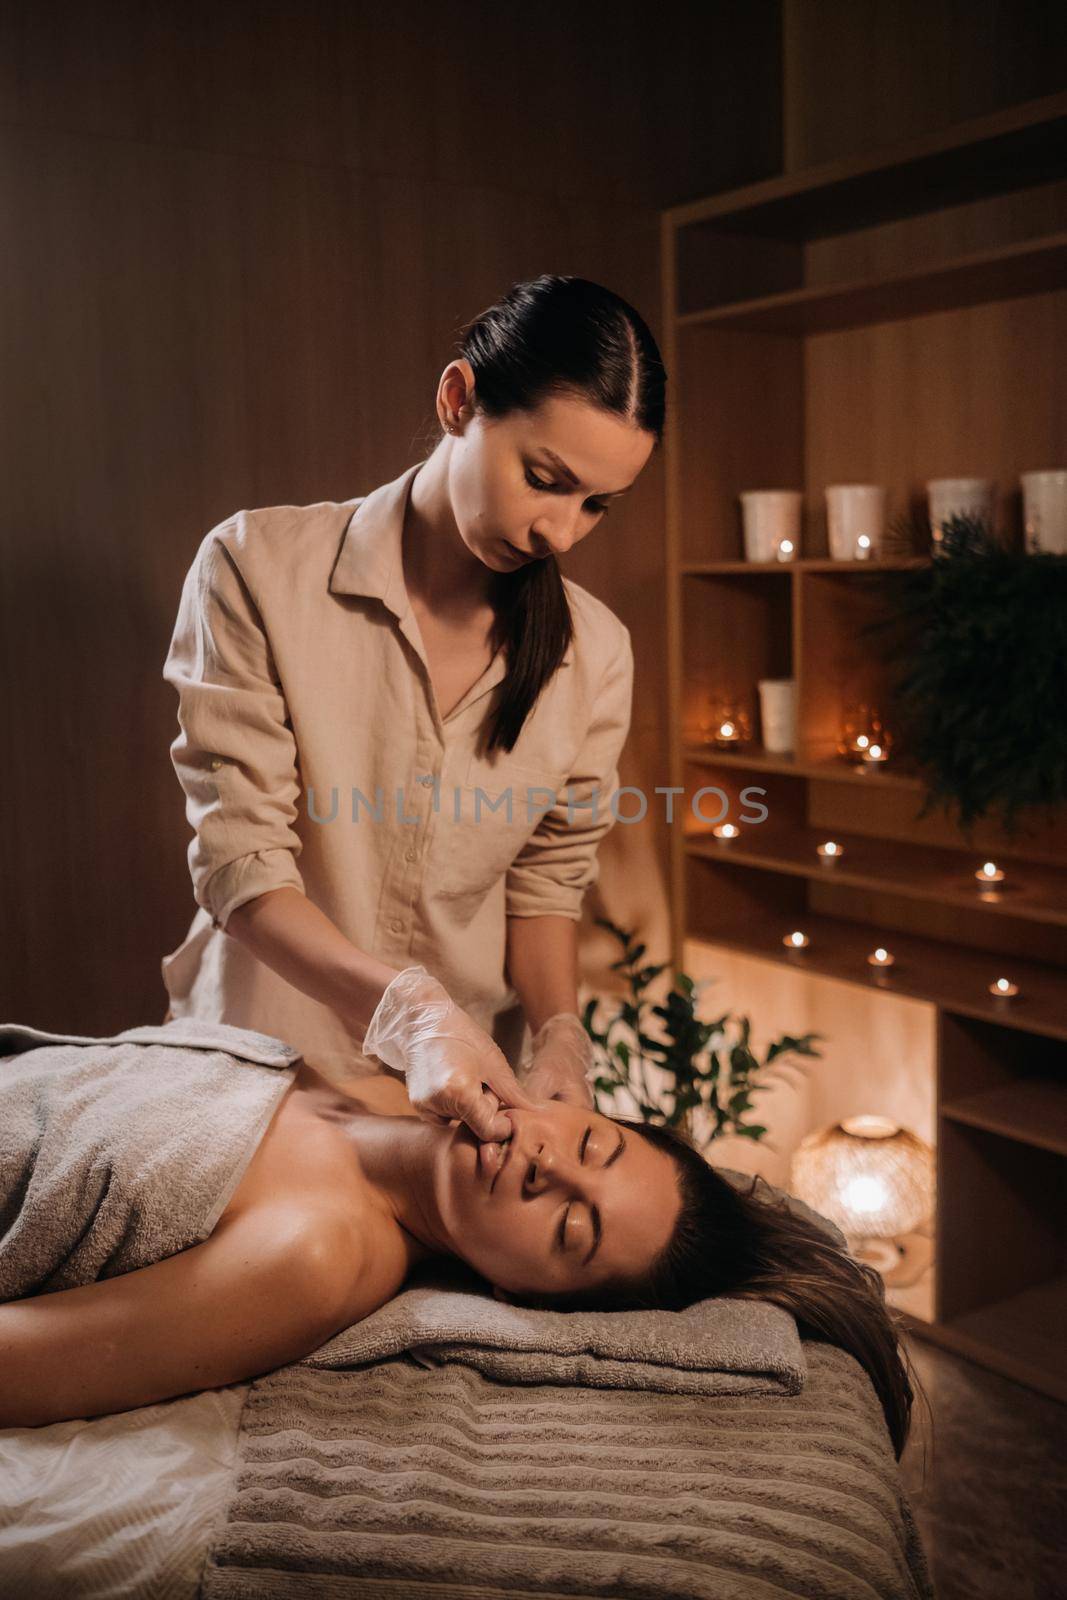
[(117, 1152), (401, 1483), (717, 1346)]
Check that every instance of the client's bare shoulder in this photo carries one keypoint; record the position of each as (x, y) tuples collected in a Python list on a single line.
[(347, 1264), (358, 1257)]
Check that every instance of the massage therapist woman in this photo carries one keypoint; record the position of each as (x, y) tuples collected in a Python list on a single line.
[(420, 646)]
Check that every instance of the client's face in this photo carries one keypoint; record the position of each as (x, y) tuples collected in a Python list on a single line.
[(575, 1201)]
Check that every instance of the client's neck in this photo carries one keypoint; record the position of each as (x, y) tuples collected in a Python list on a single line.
[(397, 1156)]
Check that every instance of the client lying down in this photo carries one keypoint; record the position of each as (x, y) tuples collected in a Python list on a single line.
[(188, 1206)]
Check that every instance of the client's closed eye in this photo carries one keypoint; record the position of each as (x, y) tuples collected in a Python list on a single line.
[(594, 1210), (561, 1237)]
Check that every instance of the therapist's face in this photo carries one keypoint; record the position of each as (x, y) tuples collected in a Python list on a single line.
[(509, 484), (528, 1225)]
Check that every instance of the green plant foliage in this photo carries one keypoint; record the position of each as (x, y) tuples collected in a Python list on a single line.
[(702, 1068), (978, 643)]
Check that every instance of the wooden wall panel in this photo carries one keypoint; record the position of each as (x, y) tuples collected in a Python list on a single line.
[(610, 100), (863, 73)]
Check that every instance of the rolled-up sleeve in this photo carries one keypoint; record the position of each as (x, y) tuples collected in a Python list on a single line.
[(235, 756), (558, 863)]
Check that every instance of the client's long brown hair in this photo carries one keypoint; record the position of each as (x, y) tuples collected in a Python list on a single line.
[(729, 1241)]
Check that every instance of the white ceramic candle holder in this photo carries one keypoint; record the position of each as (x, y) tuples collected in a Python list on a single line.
[(768, 517), (778, 714), (1045, 511), (855, 521), (958, 497)]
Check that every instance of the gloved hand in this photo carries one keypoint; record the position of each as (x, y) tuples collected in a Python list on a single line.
[(562, 1062), (454, 1070)]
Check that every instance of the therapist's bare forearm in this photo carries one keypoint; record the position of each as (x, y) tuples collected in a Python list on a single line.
[(288, 933), (542, 963)]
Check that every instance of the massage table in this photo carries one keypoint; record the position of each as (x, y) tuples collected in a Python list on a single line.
[(318, 1481)]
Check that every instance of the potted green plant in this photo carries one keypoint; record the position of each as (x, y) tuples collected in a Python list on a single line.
[(975, 643), (709, 1065)]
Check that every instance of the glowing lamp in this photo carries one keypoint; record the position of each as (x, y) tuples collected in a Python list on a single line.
[(871, 1177)]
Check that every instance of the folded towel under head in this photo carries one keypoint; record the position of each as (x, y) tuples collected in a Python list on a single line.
[(117, 1152)]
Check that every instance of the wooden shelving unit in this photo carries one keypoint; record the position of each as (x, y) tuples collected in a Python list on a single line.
[(886, 319)]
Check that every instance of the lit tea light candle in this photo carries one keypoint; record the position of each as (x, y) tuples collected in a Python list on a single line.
[(726, 830), (796, 941), (863, 547), (863, 739), (786, 550), (727, 726), (880, 958), (1003, 988), (990, 873), (830, 851)]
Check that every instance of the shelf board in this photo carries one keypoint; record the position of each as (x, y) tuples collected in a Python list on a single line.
[(918, 872), (1021, 1337), (713, 569), (756, 759), (1031, 1110), (1006, 272), (1009, 149), (950, 976)]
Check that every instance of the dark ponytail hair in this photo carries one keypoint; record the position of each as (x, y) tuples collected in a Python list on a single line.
[(729, 1242), (552, 336)]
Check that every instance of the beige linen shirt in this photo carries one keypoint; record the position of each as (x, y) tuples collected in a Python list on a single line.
[(312, 753)]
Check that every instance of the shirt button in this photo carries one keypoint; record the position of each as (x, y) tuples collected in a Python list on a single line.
[(397, 926), (410, 855)]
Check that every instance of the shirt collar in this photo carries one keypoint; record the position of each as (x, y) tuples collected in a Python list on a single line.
[(370, 561)]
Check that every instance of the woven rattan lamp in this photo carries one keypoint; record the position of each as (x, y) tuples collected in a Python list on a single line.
[(872, 1177)]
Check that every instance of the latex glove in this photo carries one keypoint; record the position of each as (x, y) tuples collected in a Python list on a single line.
[(562, 1062), (454, 1070)]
